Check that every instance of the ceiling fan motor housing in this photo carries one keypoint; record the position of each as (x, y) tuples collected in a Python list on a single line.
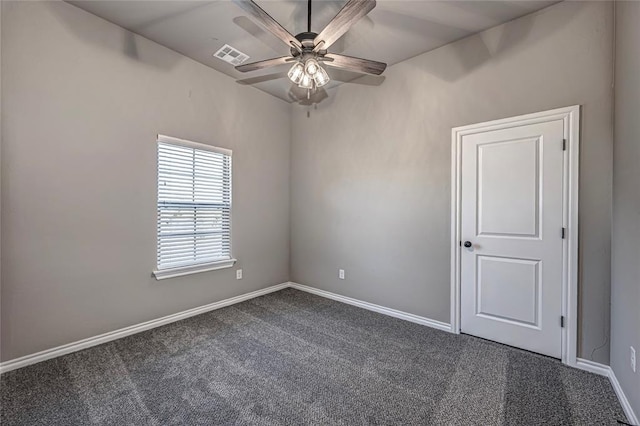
[(306, 39)]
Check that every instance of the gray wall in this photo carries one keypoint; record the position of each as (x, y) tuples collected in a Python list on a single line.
[(625, 281), (371, 165), (83, 101), (370, 170)]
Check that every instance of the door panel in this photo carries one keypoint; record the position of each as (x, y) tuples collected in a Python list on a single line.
[(500, 195), (511, 276), (514, 280)]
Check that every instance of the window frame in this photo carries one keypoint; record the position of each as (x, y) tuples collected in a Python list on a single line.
[(189, 269)]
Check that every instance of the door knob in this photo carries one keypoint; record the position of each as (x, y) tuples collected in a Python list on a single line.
[(467, 244)]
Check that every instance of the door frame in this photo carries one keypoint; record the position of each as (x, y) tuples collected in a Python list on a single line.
[(571, 118)]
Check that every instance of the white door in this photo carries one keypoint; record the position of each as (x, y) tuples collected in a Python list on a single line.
[(511, 219)]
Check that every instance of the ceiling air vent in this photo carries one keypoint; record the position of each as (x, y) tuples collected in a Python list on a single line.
[(231, 55)]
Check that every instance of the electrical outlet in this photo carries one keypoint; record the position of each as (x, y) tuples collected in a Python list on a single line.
[(633, 358), (341, 274), (239, 274)]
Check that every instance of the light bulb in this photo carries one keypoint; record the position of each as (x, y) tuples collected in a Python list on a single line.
[(321, 77), (306, 82), (296, 73), (311, 67)]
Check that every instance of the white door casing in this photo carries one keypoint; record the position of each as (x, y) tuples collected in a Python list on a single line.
[(514, 189)]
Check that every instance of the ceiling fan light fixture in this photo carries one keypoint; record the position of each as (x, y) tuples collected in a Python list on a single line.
[(306, 82), (311, 67), (321, 77), (308, 49), (296, 73)]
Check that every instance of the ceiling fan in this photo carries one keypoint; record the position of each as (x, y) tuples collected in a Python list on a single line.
[(309, 49)]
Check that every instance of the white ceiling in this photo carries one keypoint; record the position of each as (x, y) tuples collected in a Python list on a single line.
[(394, 31)]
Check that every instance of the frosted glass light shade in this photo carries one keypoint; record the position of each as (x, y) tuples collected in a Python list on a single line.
[(296, 73), (321, 77), (311, 67), (306, 82)]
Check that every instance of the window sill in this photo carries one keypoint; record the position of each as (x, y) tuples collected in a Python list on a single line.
[(195, 269)]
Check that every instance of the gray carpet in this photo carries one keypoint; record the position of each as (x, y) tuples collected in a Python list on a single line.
[(294, 358)]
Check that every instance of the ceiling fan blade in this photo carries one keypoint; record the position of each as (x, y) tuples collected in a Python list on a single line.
[(351, 63), (348, 15), (346, 76), (263, 18), (261, 78), (254, 66)]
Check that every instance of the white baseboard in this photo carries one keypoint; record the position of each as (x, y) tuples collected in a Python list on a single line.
[(593, 367), (583, 364), (605, 370), (376, 308), (626, 405), (127, 331)]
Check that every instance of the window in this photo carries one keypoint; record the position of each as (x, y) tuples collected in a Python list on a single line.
[(194, 207)]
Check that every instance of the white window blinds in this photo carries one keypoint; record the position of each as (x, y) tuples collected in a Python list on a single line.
[(194, 203)]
